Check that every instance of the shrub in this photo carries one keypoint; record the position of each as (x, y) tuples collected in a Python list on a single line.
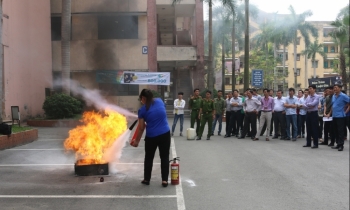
[(156, 94), (59, 106)]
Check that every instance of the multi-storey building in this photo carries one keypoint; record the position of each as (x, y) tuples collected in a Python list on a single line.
[(26, 68), (132, 35), (284, 77)]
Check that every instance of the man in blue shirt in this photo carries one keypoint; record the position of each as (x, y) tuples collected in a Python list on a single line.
[(339, 101), (291, 114)]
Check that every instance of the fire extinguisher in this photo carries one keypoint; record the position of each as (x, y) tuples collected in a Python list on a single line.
[(175, 171)]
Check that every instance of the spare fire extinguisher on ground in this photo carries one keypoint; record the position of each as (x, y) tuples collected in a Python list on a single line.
[(175, 171)]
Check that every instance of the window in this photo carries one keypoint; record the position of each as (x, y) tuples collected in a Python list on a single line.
[(314, 64), (298, 41), (55, 28), (332, 49), (325, 64), (118, 27), (280, 87), (298, 71), (119, 89), (298, 57), (331, 64), (325, 49), (227, 81)]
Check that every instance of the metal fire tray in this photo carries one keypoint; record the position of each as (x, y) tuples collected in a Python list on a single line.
[(91, 170)]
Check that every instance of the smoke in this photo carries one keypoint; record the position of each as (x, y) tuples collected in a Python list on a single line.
[(113, 154), (93, 97)]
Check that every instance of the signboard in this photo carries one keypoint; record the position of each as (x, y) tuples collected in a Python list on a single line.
[(322, 83), (133, 77), (257, 78), (144, 50)]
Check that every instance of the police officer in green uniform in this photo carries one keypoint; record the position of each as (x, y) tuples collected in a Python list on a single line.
[(194, 106), (207, 112)]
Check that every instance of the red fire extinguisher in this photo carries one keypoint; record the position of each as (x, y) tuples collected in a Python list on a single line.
[(175, 171)]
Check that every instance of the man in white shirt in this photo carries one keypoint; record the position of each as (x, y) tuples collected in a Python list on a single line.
[(251, 108), (302, 112), (280, 115), (179, 105)]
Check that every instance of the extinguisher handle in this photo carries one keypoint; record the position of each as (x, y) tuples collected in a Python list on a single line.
[(175, 159)]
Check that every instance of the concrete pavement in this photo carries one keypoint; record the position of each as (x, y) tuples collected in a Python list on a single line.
[(223, 173)]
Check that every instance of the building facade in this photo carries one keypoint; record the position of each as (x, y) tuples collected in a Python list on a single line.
[(26, 70), (131, 35)]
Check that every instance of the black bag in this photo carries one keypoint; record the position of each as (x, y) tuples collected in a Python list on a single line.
[(5, 129)]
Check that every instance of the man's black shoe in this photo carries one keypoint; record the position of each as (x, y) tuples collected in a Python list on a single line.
[(275, 137), (314, 147), (226, 136), (336, 147), (287, 138), (198, 138), (208, 138), (331, 144), (306, 146), (323, 143), (341, 148), (241, 137)]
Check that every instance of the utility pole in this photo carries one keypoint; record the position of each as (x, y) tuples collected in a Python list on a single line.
[(246, 47), (223, 65), (1, 65)]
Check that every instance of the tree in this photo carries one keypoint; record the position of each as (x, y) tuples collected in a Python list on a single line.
[(312, 50), (65, 44), (246, 46), (341, 37), (297, 23)]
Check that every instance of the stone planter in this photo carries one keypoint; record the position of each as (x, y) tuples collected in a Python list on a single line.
[(54, 123), (17, 139)]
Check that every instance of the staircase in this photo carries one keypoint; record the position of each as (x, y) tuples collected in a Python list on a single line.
[(183, 84)]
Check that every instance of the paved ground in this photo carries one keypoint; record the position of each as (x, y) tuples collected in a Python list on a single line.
[(217, 174)]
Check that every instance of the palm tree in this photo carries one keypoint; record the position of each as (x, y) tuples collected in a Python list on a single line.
[(246, 46), (238, 17), (312, 50), (341, 37), (65, 44), (297, 23)]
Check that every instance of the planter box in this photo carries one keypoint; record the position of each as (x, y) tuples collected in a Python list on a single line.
[(54, 123), (17, 139)]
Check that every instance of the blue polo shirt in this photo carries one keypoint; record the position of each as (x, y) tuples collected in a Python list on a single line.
[(339, 104), (293, 101), (155, 118)]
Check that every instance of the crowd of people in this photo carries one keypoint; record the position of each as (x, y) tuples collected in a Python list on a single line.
[(322, 118)]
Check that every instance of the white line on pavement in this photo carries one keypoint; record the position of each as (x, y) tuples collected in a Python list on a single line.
[(33, 149), (179, 193), (88, 196), (24, 165)]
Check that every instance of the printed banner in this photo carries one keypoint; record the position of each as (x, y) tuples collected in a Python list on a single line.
[(133, 77), (322, 83)]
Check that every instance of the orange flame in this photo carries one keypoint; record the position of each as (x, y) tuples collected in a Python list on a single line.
[(98, 133)]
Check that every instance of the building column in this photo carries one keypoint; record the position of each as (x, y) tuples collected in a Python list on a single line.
[(198, 73), (152, 38)]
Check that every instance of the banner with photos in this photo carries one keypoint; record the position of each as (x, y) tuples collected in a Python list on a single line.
[(133, 77)]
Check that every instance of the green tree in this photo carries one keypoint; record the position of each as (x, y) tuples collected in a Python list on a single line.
[(65, 44), (297, 23), (312, 50), (341, 37)]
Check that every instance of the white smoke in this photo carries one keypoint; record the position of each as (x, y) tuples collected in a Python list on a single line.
[(113, 154), (93, 97)]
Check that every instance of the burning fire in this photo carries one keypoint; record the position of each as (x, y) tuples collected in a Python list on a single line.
[(98, 133)]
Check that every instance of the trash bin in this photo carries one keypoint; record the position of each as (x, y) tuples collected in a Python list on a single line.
[(191, 133)]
